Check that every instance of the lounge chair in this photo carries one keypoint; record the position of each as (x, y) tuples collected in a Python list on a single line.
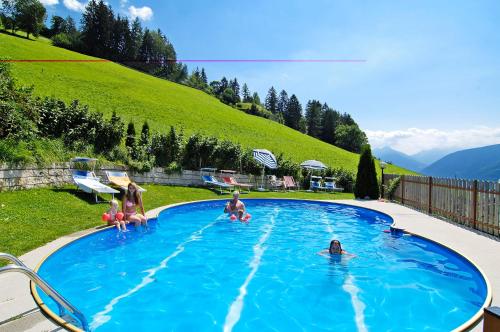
[(290, 183), (316, 184), (330, 185), (89, 183), (212, 182), (120, 179), (275, 182), (231, 181)]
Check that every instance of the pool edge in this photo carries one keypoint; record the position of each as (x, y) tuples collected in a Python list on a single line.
[(154, 213)]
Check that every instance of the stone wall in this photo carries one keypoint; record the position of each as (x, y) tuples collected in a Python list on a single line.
[(12, 178)]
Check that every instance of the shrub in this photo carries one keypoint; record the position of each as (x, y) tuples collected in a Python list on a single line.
[(343, 178), (392, 186), (366, 179)]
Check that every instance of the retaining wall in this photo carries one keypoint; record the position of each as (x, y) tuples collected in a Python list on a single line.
[(27, 177)]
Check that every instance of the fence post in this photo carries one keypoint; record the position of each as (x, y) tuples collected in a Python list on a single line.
[(403, 189), (474, 205), (430, 195)]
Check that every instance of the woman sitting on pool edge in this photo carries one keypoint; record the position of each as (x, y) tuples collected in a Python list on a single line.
[(131, 200)]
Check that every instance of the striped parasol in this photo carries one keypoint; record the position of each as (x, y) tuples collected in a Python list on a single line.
[(266, 158), (313, 165)]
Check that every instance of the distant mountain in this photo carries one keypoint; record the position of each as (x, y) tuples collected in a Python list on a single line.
[(398, 158), (478, 163), (428, 157)]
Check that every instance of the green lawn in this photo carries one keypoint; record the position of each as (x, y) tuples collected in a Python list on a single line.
[(108, 87), (32, 218)]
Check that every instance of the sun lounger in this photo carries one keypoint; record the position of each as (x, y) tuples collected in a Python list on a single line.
[(290, 183), (89, 183), (330, 185), (120, 179), (212, 182), (316, 184), (275, 182), (231, 181)]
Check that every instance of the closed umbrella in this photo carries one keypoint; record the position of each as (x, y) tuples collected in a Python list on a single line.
[(266, 159)]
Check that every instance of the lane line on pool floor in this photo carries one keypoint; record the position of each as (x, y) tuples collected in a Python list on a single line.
[(234, 313), (350, 287), (102, 317)]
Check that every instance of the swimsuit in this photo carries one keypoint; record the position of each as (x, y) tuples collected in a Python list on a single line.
[(130, 206)]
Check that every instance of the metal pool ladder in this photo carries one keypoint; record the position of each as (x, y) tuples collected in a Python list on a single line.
[(62, 303)]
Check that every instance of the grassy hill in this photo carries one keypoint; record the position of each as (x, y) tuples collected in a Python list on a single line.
[(108, 87)]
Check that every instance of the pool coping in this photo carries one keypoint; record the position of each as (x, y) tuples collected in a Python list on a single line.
[(154, 213)]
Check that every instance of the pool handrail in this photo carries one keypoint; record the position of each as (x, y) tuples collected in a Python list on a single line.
[(62, 303)]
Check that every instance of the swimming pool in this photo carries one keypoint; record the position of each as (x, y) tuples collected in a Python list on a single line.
[(194, 270)]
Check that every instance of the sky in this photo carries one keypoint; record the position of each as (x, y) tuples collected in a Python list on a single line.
[(430, 76)]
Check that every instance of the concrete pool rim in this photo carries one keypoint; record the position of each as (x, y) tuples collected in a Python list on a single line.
[(154, 214)]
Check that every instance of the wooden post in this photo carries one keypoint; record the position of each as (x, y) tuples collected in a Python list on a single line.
[(474, 205), (403, 189), (429, 206)]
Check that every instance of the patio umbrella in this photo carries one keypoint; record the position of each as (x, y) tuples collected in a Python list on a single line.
[(266, 159), (313, 165)]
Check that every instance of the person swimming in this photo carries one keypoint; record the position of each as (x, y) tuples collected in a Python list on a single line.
[(335, 249), (235, 206)]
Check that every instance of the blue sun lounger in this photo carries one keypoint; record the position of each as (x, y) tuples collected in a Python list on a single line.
[(212, 182), (330, 185)]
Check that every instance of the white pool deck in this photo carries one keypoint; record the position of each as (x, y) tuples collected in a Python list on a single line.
[(19, 312)]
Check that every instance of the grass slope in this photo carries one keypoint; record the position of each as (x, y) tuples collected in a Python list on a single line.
[(32, 218), (135, 96)]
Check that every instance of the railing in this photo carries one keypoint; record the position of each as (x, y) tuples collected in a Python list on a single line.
[(471, 203), (34, 277)]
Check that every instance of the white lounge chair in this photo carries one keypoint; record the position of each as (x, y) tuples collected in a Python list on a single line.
[(89, 183), (120, 179)]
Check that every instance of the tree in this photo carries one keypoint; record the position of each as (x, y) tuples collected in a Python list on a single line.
[(136, 36), (144, 141), (235, 86), (256, 98), (204, 78), (130, 139), (366, 179), (282, 104), (350, 138), (57, 25), (8, 14), (313, 118), (272, 101), (228, 96), (329, 123), (246, 94), (293, 113), (29, 16)]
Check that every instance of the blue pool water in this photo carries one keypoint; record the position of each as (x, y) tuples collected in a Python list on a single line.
[(194, 270)]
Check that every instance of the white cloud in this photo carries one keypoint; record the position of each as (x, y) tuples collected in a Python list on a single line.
[(414, 140), (144, 13), (123, 3), (74, 5), (49, 2)]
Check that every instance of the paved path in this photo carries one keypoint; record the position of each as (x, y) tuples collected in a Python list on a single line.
[(16, 299)]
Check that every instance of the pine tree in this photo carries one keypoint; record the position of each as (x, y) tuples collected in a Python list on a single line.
[(136, 36), (313, 118), (204, 78), (282, 104), (271, 103), (256, 98), (366, 179), (29, 16), (293, 113), (144, 141), (246, 94), (235, 86), (130, 139), (329, 124)]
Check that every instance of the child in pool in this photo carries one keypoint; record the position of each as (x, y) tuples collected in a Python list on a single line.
[(115, 217), (236, 207), (335, 249)]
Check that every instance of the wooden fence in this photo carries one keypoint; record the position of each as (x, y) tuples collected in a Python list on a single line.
[(471, 203)]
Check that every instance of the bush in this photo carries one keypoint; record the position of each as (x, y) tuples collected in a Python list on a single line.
[(366, 179), (343, 178), (392, 186)]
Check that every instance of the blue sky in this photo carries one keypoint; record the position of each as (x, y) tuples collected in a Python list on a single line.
[(431, 76)]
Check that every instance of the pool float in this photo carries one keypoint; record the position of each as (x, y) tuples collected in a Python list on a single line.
[(120, 216), (106, 217)]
